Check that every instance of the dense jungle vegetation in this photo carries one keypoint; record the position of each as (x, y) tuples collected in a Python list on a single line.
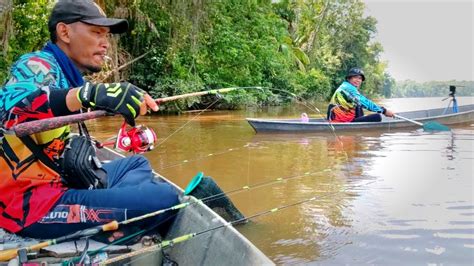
[(181, 46)]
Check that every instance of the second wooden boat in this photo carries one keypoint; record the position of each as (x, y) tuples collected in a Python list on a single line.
[(440, 115)]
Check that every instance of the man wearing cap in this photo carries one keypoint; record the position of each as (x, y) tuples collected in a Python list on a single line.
[(347, 103), (34, 200)]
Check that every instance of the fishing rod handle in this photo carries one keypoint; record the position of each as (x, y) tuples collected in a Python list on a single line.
[(8, 254), (12, 253), (32, 127)]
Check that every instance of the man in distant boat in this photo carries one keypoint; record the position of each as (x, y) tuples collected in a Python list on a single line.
[(34, 199), (347, 103)]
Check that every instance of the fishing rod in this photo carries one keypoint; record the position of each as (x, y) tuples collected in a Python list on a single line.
[(202, 93), (184, 125), (186, 237), (114, 225), (261, 184), (204, 200), (32, 127), (12, 253)]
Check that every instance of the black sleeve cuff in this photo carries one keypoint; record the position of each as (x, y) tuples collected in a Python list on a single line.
[(384, 110), (57, 102)]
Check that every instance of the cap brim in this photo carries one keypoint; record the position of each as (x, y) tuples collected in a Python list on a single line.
[(115, 25), (350, 76)]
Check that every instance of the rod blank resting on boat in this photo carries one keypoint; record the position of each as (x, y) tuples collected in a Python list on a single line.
[(12, 253), (183, 238), (114, 225)]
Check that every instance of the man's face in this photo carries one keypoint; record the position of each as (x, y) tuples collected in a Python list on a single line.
[(356, 81), (88, 45)]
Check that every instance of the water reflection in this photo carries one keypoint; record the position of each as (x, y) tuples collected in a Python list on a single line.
[(322, 224), (415, 199), (383, 198)]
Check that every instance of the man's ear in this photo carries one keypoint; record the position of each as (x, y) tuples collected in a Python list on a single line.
[(62, 32)]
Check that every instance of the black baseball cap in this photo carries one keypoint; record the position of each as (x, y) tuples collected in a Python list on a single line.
[(87, 11)]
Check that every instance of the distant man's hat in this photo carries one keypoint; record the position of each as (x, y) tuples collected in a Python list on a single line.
[(355, 71), (70, 11)]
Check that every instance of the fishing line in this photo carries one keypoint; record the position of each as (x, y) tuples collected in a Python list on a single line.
[(185, 124), (299, 99), (196, 116), (316, 110), (219, 195), (168, 243), (182, 205), (248, 170), (203, 157), (197, 201)]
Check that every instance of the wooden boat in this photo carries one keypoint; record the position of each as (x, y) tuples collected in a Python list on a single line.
[(224, 246), (464, 115)]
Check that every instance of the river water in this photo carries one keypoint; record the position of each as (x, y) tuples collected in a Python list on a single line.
[(385, 198)]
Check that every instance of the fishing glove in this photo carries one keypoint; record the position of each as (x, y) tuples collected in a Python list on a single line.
[(123, 98)]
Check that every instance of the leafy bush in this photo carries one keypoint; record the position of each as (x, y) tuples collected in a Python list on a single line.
[(29, 31)]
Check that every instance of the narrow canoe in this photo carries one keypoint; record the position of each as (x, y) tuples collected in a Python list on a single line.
[(464, 115), (224, 246)]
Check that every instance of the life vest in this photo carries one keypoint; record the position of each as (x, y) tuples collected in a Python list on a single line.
[(28, 188)]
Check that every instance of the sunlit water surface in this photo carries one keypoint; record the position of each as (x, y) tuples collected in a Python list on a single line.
[(386, 198)]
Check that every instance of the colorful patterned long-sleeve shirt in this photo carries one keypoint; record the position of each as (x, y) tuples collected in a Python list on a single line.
[(345, 100), (28, 188)]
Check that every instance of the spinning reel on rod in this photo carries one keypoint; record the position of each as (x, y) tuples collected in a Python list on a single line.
[(138, 139)]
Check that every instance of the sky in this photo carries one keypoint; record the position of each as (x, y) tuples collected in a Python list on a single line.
[(426, 40)]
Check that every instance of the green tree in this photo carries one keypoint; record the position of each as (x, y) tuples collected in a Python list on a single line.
[(296, 46), (25, 30)]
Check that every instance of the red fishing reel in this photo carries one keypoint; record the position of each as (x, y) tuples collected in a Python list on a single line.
[(138, 139)]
